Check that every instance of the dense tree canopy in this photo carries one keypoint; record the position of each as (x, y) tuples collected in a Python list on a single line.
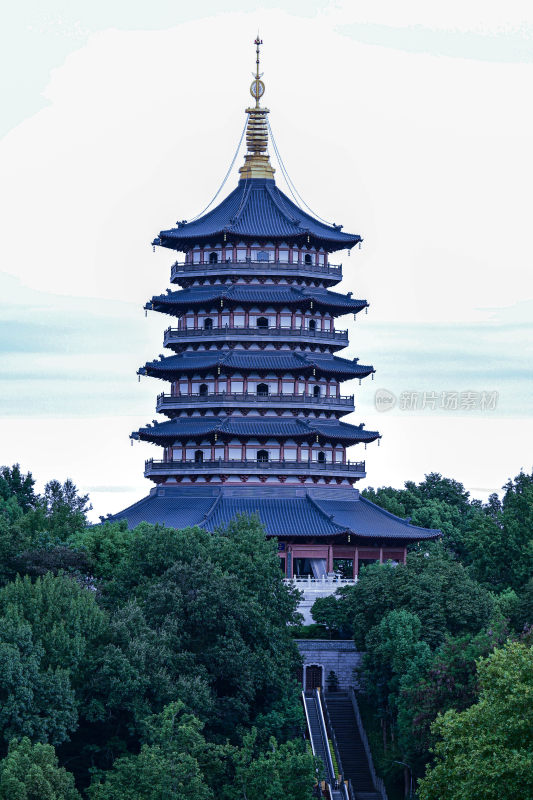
[(31, 772), (162, 663), (487, 750), (424, 627), (433, 585)]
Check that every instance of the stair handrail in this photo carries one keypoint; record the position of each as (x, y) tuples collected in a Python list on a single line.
[(324, 731), (308, 725), (331, 732), (348, 791), (329, 787), (377, 781)]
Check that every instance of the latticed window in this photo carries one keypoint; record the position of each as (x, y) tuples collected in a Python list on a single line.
[(263, 255)]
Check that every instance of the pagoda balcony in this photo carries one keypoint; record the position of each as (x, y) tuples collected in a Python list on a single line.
[(181, 336), (167, 403), (332, 273), (158, 469)]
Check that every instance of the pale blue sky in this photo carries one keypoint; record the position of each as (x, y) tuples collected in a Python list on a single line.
[(118, 118)]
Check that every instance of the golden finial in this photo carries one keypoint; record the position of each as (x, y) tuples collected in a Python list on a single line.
[(257, 89), (257, 161)]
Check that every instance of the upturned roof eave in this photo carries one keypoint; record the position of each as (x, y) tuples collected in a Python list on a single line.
[(165, 372), (170, 304), (165, 438), (234, 219), (172, 240)]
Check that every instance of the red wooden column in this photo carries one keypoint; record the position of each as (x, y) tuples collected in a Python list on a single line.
[(330, 558), (356, 563)]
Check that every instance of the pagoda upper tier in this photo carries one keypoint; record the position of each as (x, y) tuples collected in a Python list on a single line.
[(280, 362), (257, 209)]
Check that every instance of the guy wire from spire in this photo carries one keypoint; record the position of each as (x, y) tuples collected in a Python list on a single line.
[(226, 176), (289, 181)]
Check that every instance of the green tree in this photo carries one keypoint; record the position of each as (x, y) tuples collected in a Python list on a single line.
[(13, 484), (35, 700), (106, 547), (219, 606), (64, 617), (432, 584), (487, 750), (501, 542), (392, 646), (448, 681), (280, 771), (65, 510), (31, 772), (168, 765)]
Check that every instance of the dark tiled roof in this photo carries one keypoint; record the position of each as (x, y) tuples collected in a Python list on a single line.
[(281, 516), (174, 512), (252, 361), (265, 295), (257, 209), (183, 428), (368, 521)]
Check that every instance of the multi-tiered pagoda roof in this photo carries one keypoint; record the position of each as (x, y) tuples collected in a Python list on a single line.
[(254, 407), (258, 209)]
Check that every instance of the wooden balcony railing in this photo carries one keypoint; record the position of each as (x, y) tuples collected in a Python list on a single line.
[(177, 335), (252, 398), (253, 466), (266, 267)]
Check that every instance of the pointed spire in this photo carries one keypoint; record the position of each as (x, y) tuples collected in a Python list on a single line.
[(257, 161)]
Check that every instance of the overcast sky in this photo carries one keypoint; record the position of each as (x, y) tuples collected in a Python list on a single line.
[(411, 124)]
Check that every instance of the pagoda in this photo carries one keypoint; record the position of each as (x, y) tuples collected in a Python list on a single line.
[(254, 402)]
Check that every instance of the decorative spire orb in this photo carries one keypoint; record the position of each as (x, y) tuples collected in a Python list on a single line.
[(257, 161)]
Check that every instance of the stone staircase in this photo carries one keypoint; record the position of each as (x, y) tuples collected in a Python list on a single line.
[(351, 749)]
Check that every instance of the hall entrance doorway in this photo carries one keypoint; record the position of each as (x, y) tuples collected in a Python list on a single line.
[(313, 677)]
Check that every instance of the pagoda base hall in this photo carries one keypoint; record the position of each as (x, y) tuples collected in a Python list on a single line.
[(323, 534), (253, 411)]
